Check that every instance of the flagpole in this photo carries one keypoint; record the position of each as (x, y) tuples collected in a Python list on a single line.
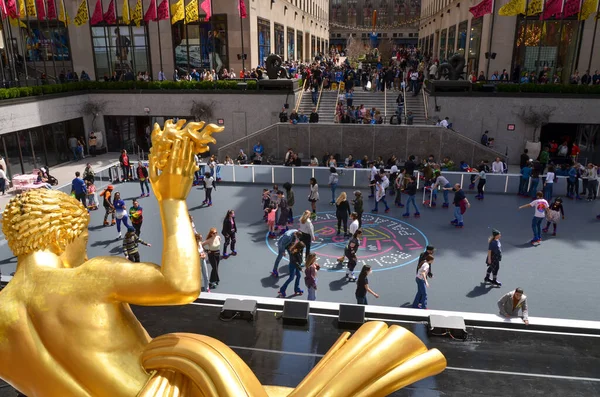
[(187, 47), (31, 31), (212, 27), (4, 41), (593, 36), (242, 36), (106, 31), (159, 41), (489, 58), (577, 42), (87, 6), (23, 44), (51, 38), (130, 29), (10, 55), (560, 30), (524, 41)]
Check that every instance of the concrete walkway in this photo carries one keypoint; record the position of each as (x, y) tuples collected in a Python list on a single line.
[(66, 172)]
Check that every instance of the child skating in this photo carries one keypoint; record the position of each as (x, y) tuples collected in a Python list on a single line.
[(209, 185), (295, 268), (313, 197), (411, 192), (310, 276), (271, 213), (554, 214), (350, 253), (481, 179)]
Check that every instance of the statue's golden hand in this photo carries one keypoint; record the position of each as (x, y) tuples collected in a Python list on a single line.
[(171, 158)]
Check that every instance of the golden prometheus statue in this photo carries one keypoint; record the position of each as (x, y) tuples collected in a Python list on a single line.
[(66, 328)]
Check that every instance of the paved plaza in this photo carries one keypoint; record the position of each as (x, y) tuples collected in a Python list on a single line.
[(559, 276)]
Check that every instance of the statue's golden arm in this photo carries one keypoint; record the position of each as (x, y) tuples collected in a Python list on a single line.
[(175, 282)]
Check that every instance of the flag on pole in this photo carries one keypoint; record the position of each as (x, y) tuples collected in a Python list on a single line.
[(30, 8), (587, 9), (51, 9), (63, 14), (244, 12), (3, 9), (191, 11), (151, 12), (177, 12), (41, 10), (535, 7), (97, 16), (512, 8), (22, 12), (11, 9), (478, 10), (110, 17), (206, 6), (125, 12), (552, 7), (572, 7), (83, 15), (138, 13), (163, 10)]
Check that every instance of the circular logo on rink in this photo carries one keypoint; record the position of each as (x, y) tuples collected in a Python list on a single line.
[(386, 243)]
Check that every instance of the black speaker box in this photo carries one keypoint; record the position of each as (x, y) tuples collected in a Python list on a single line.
[(295, 313), (236, 308), (351, 316), (453, 326)]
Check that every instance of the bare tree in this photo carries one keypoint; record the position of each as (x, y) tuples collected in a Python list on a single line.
[(356, 49), (536, 117), (93, 109), (202, 111), (386, 50)]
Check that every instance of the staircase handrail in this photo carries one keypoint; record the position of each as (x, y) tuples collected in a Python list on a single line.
[(337, 99), (405, 102), (247, 137), (301, 96), (426, 104), (320, 94)]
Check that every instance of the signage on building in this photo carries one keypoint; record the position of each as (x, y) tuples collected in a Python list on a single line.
[(220, 121), (510, 127)]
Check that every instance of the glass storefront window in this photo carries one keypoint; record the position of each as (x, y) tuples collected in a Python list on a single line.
[(47, 48), (545, 44), (291, 39), (313, 47), (120, 132), (462, 38), (443, 44), (299, 46), (120, 49), (431, 38), (474, 46), (451, 41), (193, 44), (34, 148), (279, 40), (264, 40)]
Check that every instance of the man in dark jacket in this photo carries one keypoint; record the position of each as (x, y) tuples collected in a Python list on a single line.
[(524, 159), (410, 165), (314, 116), (79, 188)]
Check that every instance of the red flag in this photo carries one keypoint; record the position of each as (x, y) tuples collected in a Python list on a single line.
[(163, 10), (110, 17), (10, 9), (572, 7), (97, 15), (51, 9), (151, 12), (552, 7), (483, 8), (40, 8), (242, 8), (206, 6)]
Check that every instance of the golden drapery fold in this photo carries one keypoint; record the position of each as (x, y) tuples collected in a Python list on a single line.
[(376, 361)]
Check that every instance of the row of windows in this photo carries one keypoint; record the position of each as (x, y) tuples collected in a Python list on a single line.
[(360, 13), (295, 42), (436, 5), (366, 35), (312, 7)]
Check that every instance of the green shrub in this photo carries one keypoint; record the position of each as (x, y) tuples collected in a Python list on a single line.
[(252, 84)]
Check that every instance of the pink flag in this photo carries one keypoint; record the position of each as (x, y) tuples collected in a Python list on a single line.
[(242, 8), (483, 8), (51, 9), (110, 17), (97, 15), (40, 8), (552, 7), (10, 8), (206, 6), (3, 10), (163, 10), (151, 12), (572, 7)]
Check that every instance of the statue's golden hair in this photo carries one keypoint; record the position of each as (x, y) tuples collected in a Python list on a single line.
[(42, 219)]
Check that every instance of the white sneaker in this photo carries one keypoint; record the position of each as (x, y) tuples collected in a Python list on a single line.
[(119, 236)]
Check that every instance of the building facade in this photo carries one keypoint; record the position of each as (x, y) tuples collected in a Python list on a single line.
[(29, 47), (518, 44), (397, 21)]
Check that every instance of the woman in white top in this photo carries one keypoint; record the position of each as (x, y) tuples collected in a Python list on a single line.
[(308, 231), (354, 225), (313, 196), (212, 245), (420, 301), (4, 181), (204, 270), (549, 184)]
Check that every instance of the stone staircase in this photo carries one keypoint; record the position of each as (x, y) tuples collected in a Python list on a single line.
[(369, 99)]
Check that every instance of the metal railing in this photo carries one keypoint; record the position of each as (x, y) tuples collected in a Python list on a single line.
[(337, 100), (405, 104), (426, 105), (320, 94), (359, 177), (301, 96)]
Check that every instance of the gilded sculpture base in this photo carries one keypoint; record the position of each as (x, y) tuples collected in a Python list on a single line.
[(66, 328)]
